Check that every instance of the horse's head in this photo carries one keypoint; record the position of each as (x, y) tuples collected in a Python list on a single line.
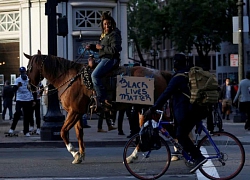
[(35, 68)]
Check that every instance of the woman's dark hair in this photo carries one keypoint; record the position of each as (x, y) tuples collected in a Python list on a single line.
[(106, 16)]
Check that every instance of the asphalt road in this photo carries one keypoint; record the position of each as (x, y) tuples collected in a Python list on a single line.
[(100, 163)]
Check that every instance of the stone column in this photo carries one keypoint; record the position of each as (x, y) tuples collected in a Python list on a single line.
[(25, 32), (123, 23)]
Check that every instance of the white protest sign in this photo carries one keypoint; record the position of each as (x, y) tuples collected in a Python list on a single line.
[(135, 90)]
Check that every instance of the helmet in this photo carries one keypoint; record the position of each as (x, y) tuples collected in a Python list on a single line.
[(180, 61), (22, 69)]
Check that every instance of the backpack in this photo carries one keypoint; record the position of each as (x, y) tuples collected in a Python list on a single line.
[(203, 86), (149, 137)]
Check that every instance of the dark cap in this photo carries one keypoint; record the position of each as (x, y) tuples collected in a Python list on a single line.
[(22, 69), (180, 61)]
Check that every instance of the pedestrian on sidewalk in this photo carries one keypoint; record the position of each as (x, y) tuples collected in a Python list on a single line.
[(133, 119), (106, 115), (226, 97), (24, 102), (8, 94), (36, 110), (243, 94), (120, 120)]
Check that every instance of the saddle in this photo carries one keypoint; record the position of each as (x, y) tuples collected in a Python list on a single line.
[(109, 81)]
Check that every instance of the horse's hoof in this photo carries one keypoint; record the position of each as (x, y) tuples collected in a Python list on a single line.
[(131, 159), (78, 158), (82, 156)]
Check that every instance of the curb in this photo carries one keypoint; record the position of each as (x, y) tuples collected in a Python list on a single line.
[(60, 144)]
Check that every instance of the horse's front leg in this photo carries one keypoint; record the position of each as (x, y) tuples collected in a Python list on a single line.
[(68, 124), (79, 136)]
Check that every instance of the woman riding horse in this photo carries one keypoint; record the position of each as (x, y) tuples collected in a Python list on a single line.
[(109, 54), (65, 76)]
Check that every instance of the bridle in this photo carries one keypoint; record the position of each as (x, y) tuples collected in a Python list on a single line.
[(71, 80), (29, 69)]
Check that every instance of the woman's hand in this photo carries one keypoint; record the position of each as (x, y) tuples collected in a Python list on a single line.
[(98, 46)]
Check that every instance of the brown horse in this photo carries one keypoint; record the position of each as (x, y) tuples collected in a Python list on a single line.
[(65, 76)]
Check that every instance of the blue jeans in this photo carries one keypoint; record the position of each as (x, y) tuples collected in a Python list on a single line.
[(101, 69)]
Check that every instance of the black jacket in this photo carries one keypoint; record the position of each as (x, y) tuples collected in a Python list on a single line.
[(111, 45), (8, 92), (223, 92)]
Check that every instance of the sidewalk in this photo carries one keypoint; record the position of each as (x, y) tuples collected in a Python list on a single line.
[(92, 138)]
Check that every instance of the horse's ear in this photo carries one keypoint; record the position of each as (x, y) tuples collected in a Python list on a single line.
[(27, 56), (39, 52)]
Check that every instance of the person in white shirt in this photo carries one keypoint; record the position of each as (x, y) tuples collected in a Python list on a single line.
[(243, 94), (24, 102)]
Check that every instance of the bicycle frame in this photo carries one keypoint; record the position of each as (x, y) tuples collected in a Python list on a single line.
[(200, 128)]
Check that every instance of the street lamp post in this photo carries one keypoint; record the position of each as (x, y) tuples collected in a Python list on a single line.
[(53, 120), (240, 4)]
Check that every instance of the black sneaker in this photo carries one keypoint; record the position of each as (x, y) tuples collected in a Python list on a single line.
[(197, 163)]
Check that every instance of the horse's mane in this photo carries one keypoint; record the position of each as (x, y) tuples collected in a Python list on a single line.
[(57, 65)]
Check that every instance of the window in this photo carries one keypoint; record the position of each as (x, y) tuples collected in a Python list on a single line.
[(224, 60), (1, 79), (231, 77), (224, 77), (9, 21), (88, 19), (220, 79), (219, 60), (228, 61), (12, 79), (236, 77), (214, 62)]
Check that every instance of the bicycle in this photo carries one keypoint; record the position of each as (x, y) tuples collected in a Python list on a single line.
[(217, 120), (225, 154)]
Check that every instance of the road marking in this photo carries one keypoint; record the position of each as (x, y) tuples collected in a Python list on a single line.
[(211, 170)]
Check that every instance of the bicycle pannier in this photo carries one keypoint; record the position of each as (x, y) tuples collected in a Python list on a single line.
[(149, 137)]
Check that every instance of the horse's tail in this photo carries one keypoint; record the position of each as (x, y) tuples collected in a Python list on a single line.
[(166, 75)]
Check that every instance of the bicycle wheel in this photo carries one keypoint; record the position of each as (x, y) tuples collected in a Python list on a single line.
[(231, 160), (146, 165)]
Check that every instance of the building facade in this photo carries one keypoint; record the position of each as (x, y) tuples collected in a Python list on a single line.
[(225, 68), (24, 29)]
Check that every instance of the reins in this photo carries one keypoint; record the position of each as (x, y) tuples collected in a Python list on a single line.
[(55, 89)]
